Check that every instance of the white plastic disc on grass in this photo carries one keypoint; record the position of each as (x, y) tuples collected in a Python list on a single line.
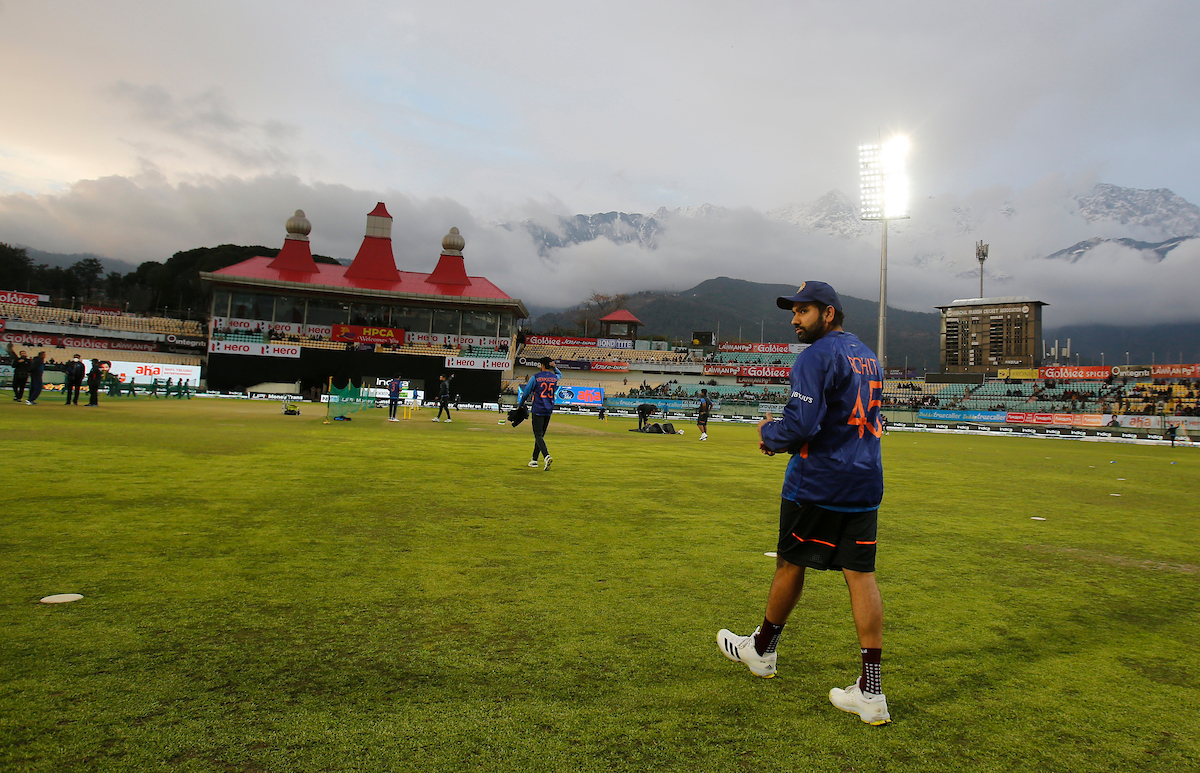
[(61, 598), (1036, 518), (772, 554), (1114, 495)]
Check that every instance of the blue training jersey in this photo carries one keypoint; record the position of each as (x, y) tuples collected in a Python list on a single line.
[(831, 426), (542, 386)]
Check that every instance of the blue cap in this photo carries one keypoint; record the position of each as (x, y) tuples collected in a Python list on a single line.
[(810, 292)]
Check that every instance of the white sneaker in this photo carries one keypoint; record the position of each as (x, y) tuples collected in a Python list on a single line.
[(435, 418), (740, 649), (547, 467), (533, 463), (704, 436), (448, 419), (871, 709)]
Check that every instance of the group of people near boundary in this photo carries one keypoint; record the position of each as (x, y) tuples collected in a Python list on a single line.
[(31, 371)]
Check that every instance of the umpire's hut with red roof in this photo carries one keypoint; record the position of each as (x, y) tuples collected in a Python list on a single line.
[(291, 318)]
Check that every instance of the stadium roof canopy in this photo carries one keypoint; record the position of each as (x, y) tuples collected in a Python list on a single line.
[(372, 274), (991, 301), (621, 315)]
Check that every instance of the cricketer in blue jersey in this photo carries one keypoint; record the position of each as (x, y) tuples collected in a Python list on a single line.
[(541, 387), (832, 487), (394, 387)]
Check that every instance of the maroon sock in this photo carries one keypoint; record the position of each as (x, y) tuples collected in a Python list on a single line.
[(872, 671), (767, 637)]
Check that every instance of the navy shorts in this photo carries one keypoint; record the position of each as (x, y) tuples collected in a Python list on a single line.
[(810, 535)]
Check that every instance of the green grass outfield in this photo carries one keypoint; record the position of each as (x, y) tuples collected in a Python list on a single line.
[(270, 593)]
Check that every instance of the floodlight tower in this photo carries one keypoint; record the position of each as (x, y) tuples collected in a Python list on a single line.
[(884, 197), (981, 252)]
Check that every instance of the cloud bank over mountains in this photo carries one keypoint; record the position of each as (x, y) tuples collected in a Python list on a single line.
[(1056, 241)]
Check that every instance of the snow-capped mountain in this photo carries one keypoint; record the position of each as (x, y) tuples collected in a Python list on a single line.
[(1157, 209), (618, 227), (834, 214), (1156, 251), (1151, 221)]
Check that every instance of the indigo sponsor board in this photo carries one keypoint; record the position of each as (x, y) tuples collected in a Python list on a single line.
[(572, 395)]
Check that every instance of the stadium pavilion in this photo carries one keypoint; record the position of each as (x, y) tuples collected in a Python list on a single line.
[(288, 318)]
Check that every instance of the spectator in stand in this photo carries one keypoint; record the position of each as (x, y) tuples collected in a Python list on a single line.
[(37, 370), (75, 372), (21, 365)]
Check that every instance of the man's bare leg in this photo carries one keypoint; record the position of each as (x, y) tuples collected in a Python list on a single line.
[(868, 619), (867, 605), (786, 587)]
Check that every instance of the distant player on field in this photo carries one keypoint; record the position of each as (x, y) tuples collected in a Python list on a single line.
[(644, 412), (831, 491), (444, 397), (394, 387), (705, 409), (541, 386)]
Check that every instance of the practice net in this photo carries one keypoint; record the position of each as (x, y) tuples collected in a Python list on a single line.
[(346, 400)]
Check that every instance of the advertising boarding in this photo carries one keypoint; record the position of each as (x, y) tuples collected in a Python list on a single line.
[(572, 395), (290, 351), (75, 342), (741, 346), (368, 335), (103, 311), (479, 363), (22, 299), (145, 372)]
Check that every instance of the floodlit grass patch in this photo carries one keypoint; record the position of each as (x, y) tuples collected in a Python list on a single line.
[(264, 592)]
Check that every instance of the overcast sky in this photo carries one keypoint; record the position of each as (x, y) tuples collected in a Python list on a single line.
[(135, 129)]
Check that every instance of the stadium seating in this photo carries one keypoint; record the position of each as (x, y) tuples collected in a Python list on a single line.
[(752, 358), (599, 354), (56, 316)]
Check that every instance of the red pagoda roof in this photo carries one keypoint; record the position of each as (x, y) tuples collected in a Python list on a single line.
[(379, 211), (329, 277), (621, 315)]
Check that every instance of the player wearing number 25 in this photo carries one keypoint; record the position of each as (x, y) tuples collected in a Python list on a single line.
[(541, 387), (831, 491)]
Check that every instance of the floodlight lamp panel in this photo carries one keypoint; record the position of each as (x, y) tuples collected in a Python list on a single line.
[(871, 180)]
